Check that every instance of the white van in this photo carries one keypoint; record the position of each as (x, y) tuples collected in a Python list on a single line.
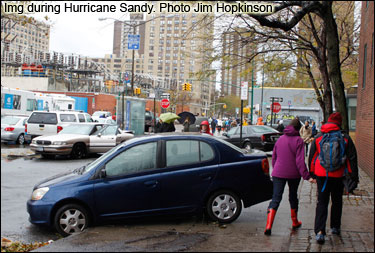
[(52, 122)]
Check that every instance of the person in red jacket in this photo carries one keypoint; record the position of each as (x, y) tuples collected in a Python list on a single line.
[(333, 185), (205, 127)]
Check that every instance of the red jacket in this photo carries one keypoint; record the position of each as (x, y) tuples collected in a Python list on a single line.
[(351, 155)]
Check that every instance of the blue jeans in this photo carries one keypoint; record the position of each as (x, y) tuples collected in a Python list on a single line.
[(278, 190)]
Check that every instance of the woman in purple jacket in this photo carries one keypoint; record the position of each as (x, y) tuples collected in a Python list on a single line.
[(288, 162)]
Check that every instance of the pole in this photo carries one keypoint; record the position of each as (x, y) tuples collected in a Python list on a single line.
[(261, 106), (133, 66), (241, 123), (272, 110), (153, 82), (123, 110), (252, 92)]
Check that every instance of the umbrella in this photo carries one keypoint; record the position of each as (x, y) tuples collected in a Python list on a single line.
[(184, 115), (169, 117)]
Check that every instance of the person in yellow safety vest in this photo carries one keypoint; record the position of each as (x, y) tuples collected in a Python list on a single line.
[(245, 123), (260, 121)]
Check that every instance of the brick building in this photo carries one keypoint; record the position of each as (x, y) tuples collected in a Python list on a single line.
[(365, 92)]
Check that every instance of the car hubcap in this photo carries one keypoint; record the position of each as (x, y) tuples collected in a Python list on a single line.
[(21, 139), (72, 221), (224, 206)]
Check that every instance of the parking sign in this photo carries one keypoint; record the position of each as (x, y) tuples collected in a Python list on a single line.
[(133, 41)]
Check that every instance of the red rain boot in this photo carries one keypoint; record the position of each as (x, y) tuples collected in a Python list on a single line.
[(270, 217), (296, 223)]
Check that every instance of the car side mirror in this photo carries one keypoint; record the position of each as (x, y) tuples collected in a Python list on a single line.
[(102, 174)]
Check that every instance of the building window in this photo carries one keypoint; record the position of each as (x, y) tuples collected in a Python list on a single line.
[(364, 67)]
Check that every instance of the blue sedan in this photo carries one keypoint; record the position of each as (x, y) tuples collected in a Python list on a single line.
[(172, 173)]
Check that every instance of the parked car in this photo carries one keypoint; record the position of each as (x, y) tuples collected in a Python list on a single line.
[(78, 140), (196, 126), (107, 121), (165, 174), (13, 128), (101, 114), (259, 137), (52, 122)]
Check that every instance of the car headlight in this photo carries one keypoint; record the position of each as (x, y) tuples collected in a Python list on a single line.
[(39, 193), (59, 143), (33, 141)]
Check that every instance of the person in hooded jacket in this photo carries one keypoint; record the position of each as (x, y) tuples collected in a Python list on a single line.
[(334, 185), (205, 127), (288, 162)]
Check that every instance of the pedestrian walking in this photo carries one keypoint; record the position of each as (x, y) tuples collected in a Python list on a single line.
[(289, 166), (332, 156), (314, 131), (305, 133), (280, 126), (219, 125), (167, 127), (260, 121), (186, 124), (205, 127), (158, 126), (213, 125)]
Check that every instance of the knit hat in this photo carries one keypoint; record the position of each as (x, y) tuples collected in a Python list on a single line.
[(335, 118)]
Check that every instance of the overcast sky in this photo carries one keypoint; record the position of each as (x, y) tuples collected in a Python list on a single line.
[(82, 33)]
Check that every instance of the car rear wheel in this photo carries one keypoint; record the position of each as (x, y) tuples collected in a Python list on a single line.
[(21, 139), (224, 206), (247, 146), (71, 218), (79, 151)]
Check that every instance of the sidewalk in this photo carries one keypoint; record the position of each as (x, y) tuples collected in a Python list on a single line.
[(357, 229)]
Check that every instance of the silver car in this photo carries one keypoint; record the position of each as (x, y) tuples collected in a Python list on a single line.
[(13, 128), (78, 140)]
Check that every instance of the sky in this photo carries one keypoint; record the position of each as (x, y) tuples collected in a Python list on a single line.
[(81, 33)]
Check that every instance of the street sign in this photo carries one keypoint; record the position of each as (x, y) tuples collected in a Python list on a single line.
[(276, 99), (165, 95), (244, 90), (276, 107), (165, 103), (133, 41)]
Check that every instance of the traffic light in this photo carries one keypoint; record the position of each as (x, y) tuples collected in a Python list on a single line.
[(137, 91), (188, 86), (184, 86), (224, 106)]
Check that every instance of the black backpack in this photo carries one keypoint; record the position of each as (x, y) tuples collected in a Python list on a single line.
[(332, 152)]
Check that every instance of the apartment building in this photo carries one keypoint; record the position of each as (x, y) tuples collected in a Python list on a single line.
[(23, 38), (169, 53), (235, 69)]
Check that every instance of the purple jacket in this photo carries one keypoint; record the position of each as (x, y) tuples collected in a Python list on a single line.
[(288, 157)]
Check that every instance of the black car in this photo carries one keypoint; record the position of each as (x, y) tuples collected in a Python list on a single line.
[(259, 137)]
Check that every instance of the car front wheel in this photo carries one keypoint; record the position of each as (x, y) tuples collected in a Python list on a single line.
[(224, 206), (78, 151), (71, 219)]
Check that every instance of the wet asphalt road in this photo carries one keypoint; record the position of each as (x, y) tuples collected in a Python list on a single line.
[(18, 178)]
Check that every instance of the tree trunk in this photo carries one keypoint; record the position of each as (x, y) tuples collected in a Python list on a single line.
[(333, 58)]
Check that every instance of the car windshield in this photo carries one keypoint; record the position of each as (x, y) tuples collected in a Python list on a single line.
[(97, 113), (77, 129), (93, 164), (232, 131), (263, 129), (9, 120)]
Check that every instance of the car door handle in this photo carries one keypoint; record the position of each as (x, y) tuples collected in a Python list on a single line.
[(206, 177), (152, 183)]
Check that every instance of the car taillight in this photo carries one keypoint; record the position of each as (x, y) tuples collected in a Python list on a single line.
[(25, 128), (265, 167), (59, 128), (9, 129), (263, 138)]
